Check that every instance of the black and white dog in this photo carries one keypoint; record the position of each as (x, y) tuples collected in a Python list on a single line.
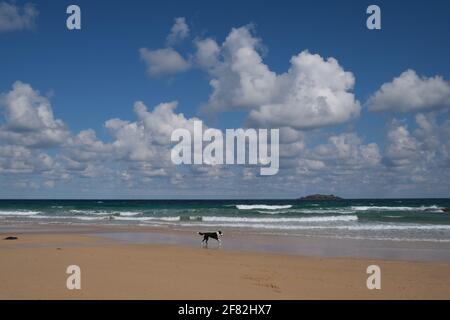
[(213, 235)]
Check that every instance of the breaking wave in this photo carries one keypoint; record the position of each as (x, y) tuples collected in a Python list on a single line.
[(388, 208), (262, 207)]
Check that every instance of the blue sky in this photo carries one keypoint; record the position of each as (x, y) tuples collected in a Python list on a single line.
[(95, 74)]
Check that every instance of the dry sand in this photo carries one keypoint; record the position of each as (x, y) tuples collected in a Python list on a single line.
[(34, 267)]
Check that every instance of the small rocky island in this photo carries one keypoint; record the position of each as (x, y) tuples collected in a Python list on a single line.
[(321, 197)]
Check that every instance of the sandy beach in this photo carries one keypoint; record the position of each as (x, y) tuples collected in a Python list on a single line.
[(34, 267)]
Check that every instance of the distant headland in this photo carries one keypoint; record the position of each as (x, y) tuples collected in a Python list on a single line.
[(321, 197)]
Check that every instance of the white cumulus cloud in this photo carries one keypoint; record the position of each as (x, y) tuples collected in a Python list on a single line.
[(179, 31), (163, 61), (409, 93), (314, 92), (29, 118), (207, 53)]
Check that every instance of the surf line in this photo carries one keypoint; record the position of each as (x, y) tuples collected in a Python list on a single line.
[(236, 150)]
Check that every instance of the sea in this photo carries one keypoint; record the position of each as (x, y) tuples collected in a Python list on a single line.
[(383, 219)]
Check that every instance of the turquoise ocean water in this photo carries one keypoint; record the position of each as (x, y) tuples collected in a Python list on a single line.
[(395, 219)]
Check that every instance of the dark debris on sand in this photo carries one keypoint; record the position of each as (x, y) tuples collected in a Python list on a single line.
[(10, 238)]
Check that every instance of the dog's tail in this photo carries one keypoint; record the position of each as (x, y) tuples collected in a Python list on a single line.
[(201, 233)]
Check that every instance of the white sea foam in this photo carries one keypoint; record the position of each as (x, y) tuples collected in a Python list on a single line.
[(68, 217), (281, 220), (129, 213), (169, 219), (387, 208), (104, 213), (382, 227), (273, 211), (18, 213), (322, 211), (104, 217), (378, 227), (262, 207), (90, 212), (86, 218), (288, 224)]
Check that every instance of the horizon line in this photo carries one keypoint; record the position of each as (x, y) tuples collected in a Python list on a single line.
[(217, 199)]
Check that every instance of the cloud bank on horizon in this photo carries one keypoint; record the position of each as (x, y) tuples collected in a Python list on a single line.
[(307, 101)]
